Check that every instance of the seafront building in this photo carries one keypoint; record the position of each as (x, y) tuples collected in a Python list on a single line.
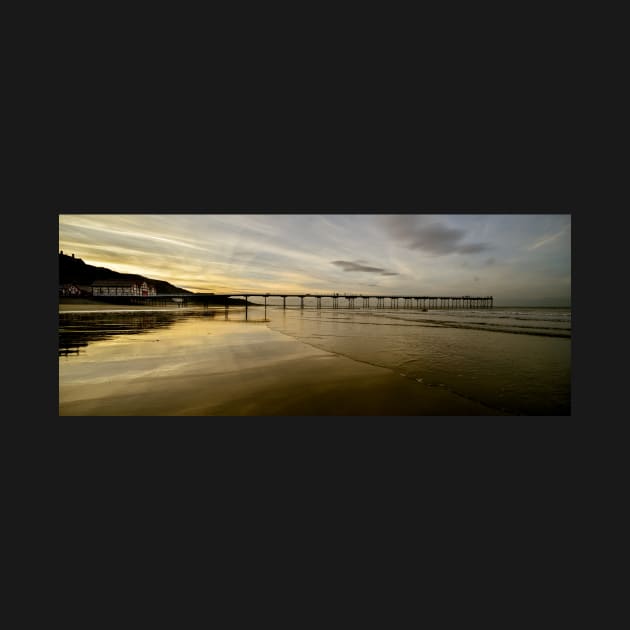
[(122, 287)]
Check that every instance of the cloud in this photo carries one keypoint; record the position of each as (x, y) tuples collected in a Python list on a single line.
[(430, 235), (548, 239), (346, 265)]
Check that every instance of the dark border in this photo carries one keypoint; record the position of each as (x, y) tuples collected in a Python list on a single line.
[(367, 443)]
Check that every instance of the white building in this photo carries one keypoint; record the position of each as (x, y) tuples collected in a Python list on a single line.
[(122, 287)]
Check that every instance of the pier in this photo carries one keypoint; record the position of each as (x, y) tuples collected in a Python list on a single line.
[(352, 301), (316, 300)]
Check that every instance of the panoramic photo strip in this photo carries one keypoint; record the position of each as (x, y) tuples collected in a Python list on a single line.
[(219, 314)]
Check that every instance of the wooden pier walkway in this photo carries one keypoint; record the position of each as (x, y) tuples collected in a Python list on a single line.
[(334, 300)]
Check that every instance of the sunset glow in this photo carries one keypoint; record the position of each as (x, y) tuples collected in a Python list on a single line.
[(519, 259)]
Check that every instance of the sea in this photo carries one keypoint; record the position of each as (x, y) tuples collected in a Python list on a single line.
[(514, 360)]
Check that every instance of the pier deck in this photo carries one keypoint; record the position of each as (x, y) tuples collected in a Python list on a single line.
[(322, 300)]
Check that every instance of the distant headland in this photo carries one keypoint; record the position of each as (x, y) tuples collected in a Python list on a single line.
[(80, 281), (75, 272)]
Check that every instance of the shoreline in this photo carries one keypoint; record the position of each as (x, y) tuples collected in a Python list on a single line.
[(75, 303), (95, 308), (70, 304), (82, 305)]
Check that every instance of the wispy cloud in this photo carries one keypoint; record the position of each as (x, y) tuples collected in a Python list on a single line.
[(347, 265), (545, 240), (430, 235), (522, 255)]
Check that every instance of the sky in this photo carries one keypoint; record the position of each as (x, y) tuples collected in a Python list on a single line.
[(519, 259)]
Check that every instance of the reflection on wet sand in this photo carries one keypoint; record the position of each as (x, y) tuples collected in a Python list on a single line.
[(230, 362), (78, 329), (196, 363)]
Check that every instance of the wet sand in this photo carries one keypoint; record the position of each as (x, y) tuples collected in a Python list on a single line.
[(116, 361), (81, 305), (198, 376)]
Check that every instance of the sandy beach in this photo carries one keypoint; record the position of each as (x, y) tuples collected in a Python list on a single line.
[(205, 366), (322, 385)]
